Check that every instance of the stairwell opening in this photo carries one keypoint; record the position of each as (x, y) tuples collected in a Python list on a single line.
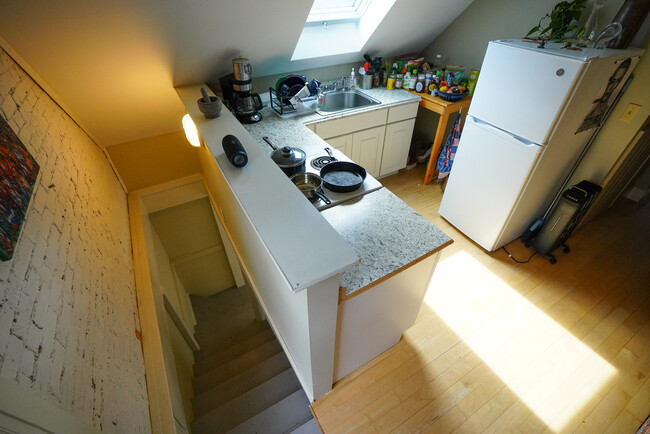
[(224, 367)]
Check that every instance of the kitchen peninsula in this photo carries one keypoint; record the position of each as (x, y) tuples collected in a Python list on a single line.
[(338, 286)]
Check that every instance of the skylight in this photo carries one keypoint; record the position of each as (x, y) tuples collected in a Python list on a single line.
[(332, 11), (346, 25)]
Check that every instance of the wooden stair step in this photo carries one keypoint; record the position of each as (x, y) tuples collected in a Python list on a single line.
[(211, 361), (242, 383), (217, 320), (222, 339), (249, 404), (208, 360), (283, 416), (308, 427), (212, 378), (211, 330), (222, 302)]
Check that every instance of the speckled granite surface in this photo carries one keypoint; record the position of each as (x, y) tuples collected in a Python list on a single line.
[(385, 232), (293, 132)]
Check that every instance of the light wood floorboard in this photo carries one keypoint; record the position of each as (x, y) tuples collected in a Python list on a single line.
[(505, 347)]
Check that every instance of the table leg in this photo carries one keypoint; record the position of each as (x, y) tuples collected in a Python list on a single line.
[(435, 148)]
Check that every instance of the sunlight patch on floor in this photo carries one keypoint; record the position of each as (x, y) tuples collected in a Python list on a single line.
[(550, 370)]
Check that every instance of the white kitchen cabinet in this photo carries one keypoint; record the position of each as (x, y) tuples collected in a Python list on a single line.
[(367, 148), (378, 140), (396, 146), (342, 143)]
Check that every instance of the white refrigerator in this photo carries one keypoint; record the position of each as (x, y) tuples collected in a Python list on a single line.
[(532, 113)]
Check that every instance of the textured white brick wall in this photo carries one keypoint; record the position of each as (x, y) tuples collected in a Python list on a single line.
[(68, 311)]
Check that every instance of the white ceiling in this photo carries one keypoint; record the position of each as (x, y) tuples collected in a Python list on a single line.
[(114, 63)]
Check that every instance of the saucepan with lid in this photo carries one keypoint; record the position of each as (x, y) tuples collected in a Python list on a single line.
[(290, 160), (311, 186)]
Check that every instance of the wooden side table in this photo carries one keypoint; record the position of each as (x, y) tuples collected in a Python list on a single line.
[(444, 109)]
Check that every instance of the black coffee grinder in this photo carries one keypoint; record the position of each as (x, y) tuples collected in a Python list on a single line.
[(236, 90)]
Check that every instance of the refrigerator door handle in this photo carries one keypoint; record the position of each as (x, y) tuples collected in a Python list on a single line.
[(504, 132)]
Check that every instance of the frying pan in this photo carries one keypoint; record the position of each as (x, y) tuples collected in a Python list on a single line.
[(342, 176)]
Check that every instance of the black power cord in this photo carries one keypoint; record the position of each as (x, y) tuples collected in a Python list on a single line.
[(515, 259)]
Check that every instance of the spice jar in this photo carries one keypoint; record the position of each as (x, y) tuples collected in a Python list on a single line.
[(419, 84), (399, 81)]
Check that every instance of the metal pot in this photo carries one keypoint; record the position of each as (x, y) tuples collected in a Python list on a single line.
[(311, 186), (290, 160)]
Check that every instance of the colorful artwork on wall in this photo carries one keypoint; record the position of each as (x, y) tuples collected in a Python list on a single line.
[(18, 172)]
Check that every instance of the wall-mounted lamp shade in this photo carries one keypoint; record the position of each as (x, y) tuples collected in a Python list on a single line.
[(190, 131)]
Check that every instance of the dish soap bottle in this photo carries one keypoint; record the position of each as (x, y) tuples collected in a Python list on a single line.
[(353, 82)]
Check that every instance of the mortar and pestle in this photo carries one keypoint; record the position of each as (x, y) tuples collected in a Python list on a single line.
[(210, 106)]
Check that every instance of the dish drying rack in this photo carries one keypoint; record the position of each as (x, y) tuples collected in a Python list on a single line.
[(283, 106)]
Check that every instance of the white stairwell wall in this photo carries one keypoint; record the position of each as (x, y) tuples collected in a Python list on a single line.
[(305, 321)]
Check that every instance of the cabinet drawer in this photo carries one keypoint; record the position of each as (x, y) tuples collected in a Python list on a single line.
[(401, 112), (350, 124)]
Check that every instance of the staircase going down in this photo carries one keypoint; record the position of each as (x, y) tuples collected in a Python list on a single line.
[(243, 380)]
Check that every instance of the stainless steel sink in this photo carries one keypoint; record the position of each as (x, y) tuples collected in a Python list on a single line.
[(339, 101)]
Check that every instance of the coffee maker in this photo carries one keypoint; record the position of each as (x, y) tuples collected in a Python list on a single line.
[(236, 90)]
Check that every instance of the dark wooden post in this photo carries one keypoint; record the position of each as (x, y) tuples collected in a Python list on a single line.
[(631, 16)]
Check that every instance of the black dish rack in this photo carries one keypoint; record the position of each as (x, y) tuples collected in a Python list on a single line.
[(281, 104)]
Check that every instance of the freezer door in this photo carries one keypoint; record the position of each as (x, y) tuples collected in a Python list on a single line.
[(524, 92), (489, 172)]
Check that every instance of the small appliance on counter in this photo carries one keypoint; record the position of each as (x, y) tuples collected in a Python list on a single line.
[(236, 88)]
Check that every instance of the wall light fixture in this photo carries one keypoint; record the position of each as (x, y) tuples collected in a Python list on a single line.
[(191, 133)]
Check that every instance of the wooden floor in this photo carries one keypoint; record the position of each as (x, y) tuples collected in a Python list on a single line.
[(505, 347)]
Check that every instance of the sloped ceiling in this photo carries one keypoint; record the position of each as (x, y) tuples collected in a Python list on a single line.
[(114, 64)]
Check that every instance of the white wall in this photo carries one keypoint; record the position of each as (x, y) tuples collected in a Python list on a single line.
[(465, 40), (194, 247), (288, 310), (68, 312)]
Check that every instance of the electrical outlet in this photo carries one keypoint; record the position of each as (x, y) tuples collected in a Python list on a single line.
[(630, 111)]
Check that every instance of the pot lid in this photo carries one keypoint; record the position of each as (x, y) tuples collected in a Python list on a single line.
[(288, 156)]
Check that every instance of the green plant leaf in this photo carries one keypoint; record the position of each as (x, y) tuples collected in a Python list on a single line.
[(560, 19), (533, 30)]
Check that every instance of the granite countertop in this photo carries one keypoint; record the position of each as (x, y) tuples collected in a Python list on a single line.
[(386, 233), (291, 131), (262, 196)]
